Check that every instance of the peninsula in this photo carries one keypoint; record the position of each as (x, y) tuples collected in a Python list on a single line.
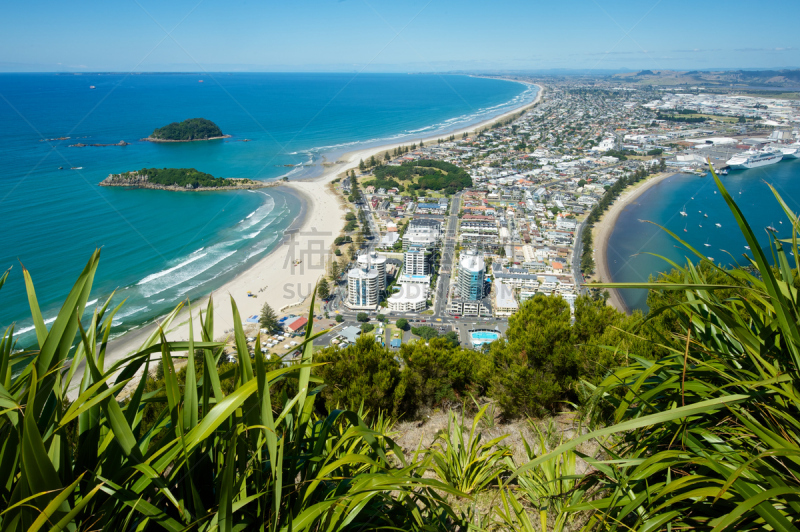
[(177, 179), (187, 131)]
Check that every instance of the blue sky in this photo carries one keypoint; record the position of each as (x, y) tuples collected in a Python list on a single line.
[(392, 36)]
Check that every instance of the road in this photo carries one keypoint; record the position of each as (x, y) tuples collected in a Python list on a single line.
[(448, 254)]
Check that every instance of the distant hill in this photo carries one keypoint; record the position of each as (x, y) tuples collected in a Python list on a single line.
[(769, 76), (743, 78), (191, 129)]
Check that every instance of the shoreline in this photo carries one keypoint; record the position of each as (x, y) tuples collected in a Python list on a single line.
[(344, 160), (319, 222), (604, 228)]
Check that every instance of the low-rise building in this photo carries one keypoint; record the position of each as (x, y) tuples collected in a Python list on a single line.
[(410, 298), (505, 304)]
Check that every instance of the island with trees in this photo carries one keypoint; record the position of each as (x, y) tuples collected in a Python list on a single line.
[(181, 179), (187, 131)]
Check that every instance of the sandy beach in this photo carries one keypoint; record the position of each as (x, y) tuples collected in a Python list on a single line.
[(601, 233), (277, 279)]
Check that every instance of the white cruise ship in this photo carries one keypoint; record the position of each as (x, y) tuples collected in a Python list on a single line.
[(754, 159), (790, 151)]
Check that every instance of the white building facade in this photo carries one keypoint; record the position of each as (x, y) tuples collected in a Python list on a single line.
[(362, 289), (415, 262), (378, 262)]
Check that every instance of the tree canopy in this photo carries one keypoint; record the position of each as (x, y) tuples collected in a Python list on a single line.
[(543, 357), (191, 129), (268, 318), (184, 176), (424, 174)]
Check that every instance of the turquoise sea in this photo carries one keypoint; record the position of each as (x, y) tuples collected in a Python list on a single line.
[(633, 239), (160, 247)]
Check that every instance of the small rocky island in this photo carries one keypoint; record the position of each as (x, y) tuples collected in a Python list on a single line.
[(187, 131), (177, 179)]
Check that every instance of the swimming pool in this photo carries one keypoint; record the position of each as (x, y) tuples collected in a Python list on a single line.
[(483, 337)]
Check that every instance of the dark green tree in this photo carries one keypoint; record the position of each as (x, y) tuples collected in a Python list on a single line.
[(437, 373), (364, 372), (451, 337), (535, 364), (362, 317), (334, 269), (323, 289), (268, 318), (402, 324), (425, 332)]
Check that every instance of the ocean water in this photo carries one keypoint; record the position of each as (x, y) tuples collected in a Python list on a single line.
[(633, 240), (160, 247)]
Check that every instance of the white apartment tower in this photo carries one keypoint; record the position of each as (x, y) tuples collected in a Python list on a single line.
[(471, 276), (415, 263), (378, 262), (362, 289)]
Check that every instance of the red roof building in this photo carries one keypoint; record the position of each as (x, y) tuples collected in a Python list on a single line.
[(297, 324)]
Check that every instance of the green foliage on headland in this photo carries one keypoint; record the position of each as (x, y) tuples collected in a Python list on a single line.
[(191, 129), (185, 176)]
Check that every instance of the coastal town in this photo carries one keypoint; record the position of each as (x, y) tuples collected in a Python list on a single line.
[(461, 259), (379, 266)]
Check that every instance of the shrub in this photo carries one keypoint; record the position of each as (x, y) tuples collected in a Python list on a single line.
[(535, 362), (362, 373), (425, 332), (436, 373), (543, 358), (465, 463)]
